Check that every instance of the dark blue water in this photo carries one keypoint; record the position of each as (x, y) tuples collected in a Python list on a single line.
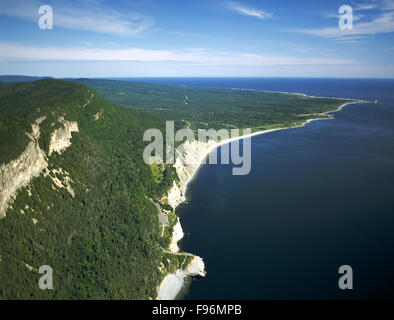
[(318, 197)]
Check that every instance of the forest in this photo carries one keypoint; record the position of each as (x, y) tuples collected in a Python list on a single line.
[(205, 108), (104, 243)]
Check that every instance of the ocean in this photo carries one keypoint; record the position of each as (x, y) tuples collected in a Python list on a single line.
[(317, 197)]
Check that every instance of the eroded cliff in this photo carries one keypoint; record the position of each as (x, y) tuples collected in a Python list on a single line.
[(33, 161)]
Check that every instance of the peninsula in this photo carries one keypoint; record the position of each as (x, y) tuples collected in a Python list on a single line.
[(76, 194)]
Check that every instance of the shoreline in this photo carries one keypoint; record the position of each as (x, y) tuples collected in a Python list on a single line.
[(172, 283), (221, 143)]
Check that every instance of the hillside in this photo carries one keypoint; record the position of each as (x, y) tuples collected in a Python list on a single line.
[(74, 194)]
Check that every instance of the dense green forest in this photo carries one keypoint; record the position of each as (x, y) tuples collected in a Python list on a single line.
[(104, 242), (205, 108)]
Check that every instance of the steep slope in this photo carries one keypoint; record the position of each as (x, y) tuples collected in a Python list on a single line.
[(74, 195)]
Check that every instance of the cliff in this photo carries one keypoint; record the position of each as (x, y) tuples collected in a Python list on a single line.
[(189, 158), (187, 163), (19, 172), (32, 162)]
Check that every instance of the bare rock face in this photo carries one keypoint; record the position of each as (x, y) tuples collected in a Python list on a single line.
[(98, 115), (177, 235), (65, 184), (60, 138), (188, 159), (175, 196), (173, 283), (32, 162), (19, 172), (196, 267)]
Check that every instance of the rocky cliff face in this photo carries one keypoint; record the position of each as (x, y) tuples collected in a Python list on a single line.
[(173, 283), (60, 138), (177, 235), (188, 159), (19, 172), (32, 162), (196, 267)]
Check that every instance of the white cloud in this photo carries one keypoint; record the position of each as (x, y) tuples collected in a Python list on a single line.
[(377, 18), (388, 5), (383, 23), (365, 6), (196, 56), (94, 19), (249, 11), (385, 5)]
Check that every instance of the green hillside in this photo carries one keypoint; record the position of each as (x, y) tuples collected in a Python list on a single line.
[(105, 241)]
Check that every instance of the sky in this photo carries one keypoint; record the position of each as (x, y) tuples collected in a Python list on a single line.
[(198, 38)]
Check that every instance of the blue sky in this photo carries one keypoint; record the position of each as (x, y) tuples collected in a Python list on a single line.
[(269, 38)]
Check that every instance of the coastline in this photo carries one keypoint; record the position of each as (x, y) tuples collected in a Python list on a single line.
[(221, 143), (172, 283)]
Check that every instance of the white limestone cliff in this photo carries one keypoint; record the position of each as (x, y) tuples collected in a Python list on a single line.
[(173, 283), (18, 173), (188, 160), (177, 235), (32, 162), (60, 138)]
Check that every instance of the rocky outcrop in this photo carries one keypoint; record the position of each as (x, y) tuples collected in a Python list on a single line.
[(175, 196), (173, 283), (60, 138), (188, 159), (98, 115), (19, 172), (196, 267), (177, 235), (33, 161), (65, 184)]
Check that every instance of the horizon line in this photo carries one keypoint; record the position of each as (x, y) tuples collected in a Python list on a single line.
[(196, 77)]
